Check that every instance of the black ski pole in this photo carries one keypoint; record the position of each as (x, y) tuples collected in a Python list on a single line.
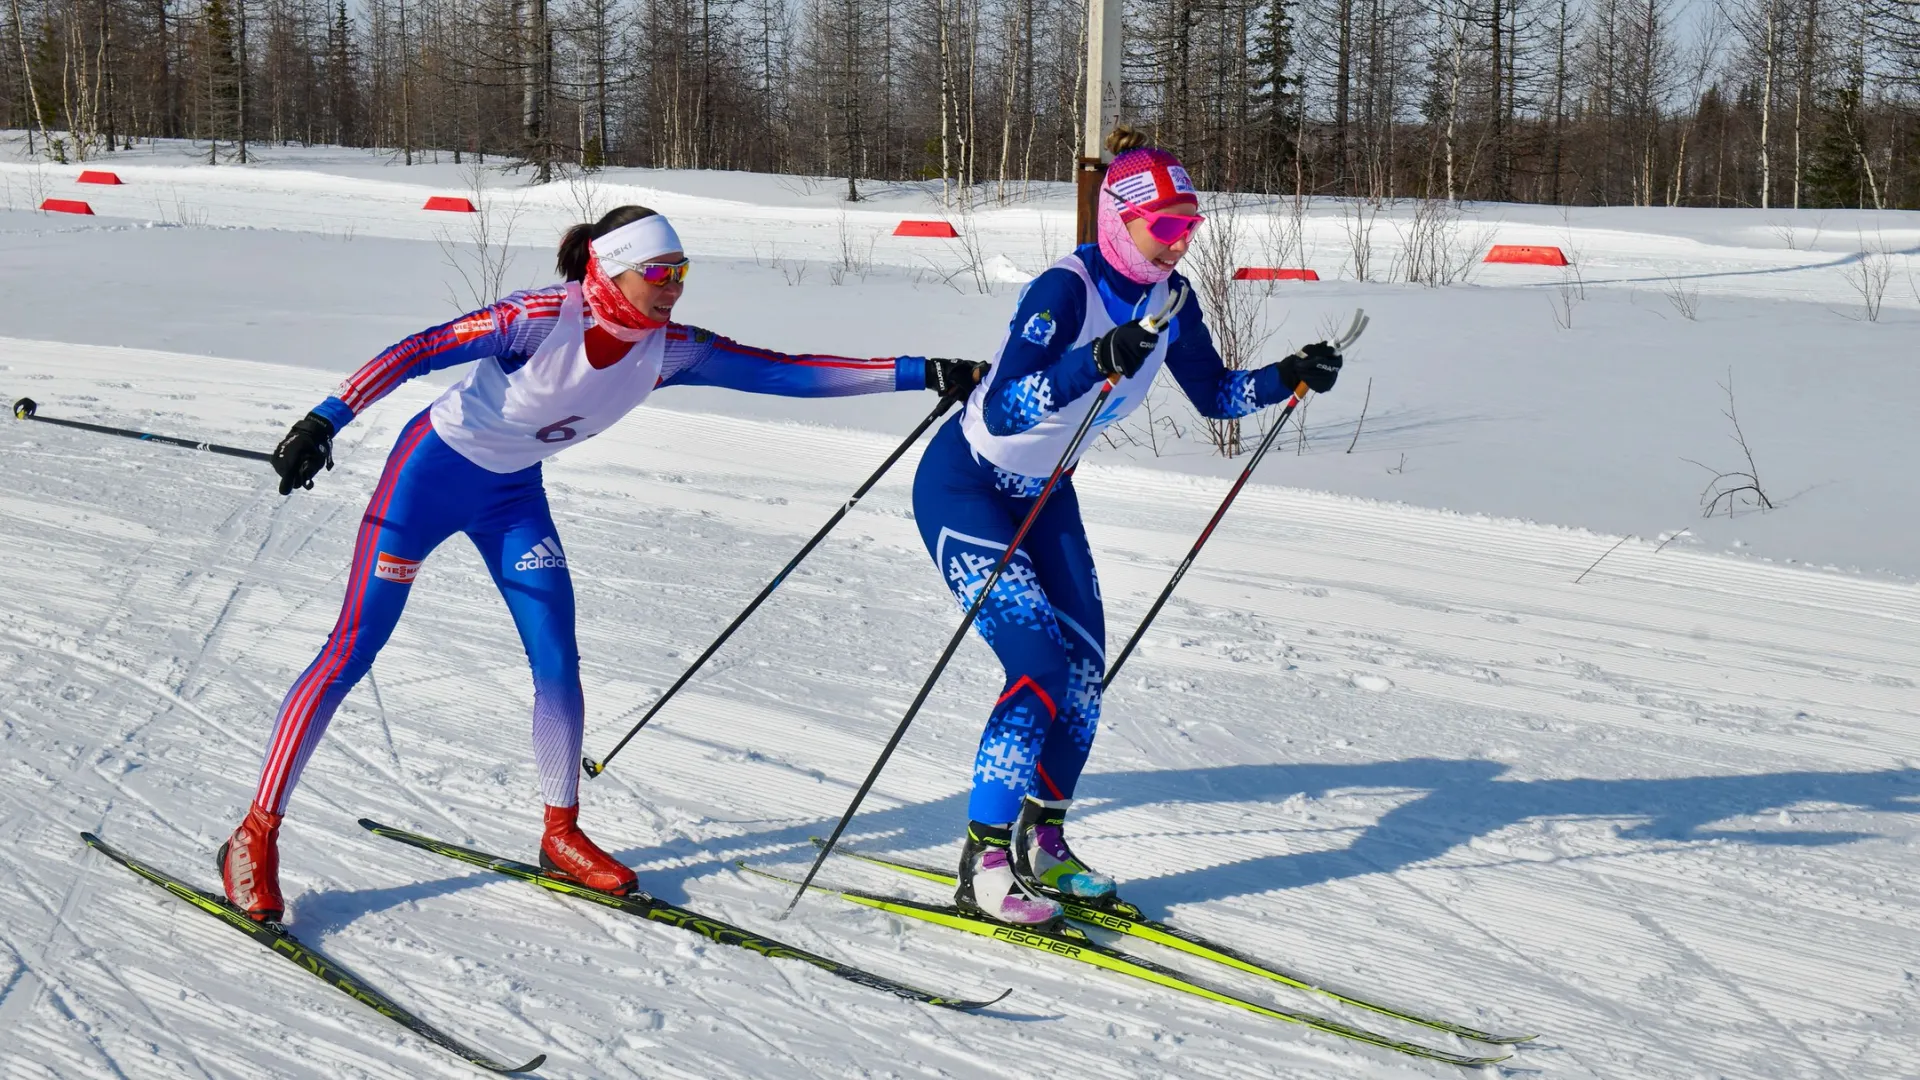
[(595, 768), (1353, 333), (27, 409), (1155, 323)]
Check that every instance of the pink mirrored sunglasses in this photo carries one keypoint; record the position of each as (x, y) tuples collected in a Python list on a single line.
[(1166, 228)]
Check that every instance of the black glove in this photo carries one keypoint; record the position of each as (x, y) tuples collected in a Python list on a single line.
[(307, 445), (1122, 350), (1317, 365), (954, 378)]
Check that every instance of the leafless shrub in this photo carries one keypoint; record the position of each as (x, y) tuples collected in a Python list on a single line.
[(180, 212), (1731, 489), (1357, 424), (1396, 470), (1869, 274), (35, 182), (1602, 558), (1684, 295), (1357, 219), (481, 251), (1234, 312), (1789, 234), (585, 193), (1434, 251), (973, 258), (932, 272), (1573, 274), (1050, 238), (1566, 296), (853, 258), (793, 270), (1285, 242)]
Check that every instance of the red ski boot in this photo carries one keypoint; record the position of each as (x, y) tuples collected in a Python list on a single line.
[(250, 866), (566, 852)]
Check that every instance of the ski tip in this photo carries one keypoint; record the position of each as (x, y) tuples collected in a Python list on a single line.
[(538, 1060), (371, 825), (89, 839), (997, 999), (25, 408)]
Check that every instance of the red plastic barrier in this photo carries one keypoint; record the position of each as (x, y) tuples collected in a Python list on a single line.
[(66, 206), (92, 177), (1519, 253), (449, 202), (1273, 273), (924, 228)]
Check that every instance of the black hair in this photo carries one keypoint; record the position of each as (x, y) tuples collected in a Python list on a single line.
[(573, 245)]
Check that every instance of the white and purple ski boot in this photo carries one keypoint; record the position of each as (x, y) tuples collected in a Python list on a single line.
[(1046, 865), (988, 884)]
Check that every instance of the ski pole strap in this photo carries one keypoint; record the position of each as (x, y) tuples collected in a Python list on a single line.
[(595, 768), (953, 643), (28, 409)]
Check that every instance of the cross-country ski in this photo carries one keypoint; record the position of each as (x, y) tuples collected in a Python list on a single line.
[(308, 959)]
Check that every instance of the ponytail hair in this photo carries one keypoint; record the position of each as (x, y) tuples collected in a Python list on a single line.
[(1123, 138), (572, 260)]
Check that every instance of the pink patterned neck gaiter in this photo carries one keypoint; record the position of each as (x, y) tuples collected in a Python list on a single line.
[(1121, 253)]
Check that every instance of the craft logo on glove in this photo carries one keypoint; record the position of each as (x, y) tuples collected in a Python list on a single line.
[(1040, 329)]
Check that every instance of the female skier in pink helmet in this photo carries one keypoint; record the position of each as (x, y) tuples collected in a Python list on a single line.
[(1078, 325)]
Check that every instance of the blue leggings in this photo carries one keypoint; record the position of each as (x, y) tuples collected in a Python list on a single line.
[(427, 493), (1044, 620)]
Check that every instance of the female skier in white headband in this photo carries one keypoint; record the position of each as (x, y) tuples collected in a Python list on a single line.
[(553, 367)]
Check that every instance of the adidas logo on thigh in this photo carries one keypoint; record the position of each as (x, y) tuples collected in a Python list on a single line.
[(545, 555)]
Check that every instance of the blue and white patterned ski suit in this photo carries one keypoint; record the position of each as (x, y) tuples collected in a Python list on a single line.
[(979, 478)]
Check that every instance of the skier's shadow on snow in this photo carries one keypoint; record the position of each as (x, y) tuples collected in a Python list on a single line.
[(1452, 802), (1448, 804)]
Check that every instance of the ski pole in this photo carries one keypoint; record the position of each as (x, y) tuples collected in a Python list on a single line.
[(1353, 333), (1153, 322), (27, 409), (595, 768)]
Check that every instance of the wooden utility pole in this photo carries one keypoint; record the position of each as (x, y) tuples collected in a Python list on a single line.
[(1103, 109)]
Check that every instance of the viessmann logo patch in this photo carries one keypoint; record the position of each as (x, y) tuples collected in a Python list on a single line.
[(392, 568)]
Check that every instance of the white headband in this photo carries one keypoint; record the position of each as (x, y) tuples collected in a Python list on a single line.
[(637, 242)]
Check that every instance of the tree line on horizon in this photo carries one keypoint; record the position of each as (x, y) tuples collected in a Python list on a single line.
[(1761, 103)]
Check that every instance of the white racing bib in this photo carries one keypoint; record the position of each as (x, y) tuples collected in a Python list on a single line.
[(1035, 451), (507, 422)]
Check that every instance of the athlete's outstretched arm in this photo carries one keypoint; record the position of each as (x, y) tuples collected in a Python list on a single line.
[(1037, 373), (510, 329), (1217, 392), (697, 357)]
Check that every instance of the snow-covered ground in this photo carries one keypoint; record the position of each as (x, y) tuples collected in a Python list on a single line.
[(1665, 816)]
